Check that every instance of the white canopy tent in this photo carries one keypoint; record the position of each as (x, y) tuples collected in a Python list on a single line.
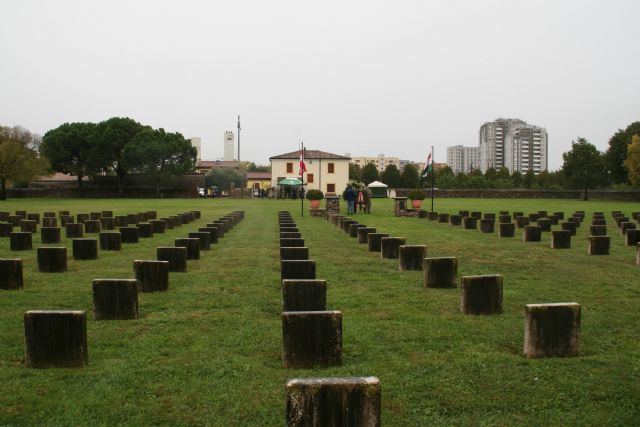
[(378, 189)]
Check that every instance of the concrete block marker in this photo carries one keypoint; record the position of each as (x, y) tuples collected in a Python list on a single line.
[(304, 295), (192, 246), (374, 241), (176, 256), (390, 247), (110, 240), (84, 249), (561, 239), (311, 338), (289, 254), (52, 260), (411, 257), (204, 237), (152, 275), (440, 272), (11, 274), (297, 269), (552, 330), (599, 245), (115, 299), (338, 401), (20, 241), (481, 294), (55, 339), (49, 235), (362, 234), (532, 233), (129, 234), (507, 229)]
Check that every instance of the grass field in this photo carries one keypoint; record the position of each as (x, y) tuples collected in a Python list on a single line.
[(207, 352)]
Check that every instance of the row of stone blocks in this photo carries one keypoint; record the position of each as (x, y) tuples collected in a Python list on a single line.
[(49, 219), (311, 334)]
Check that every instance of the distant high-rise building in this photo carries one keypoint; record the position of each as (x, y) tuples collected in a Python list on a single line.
[(196, 141), (514, 144), (229, 146), (463, 159)]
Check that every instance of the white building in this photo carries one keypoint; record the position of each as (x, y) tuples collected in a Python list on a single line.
[(514, 144), (463, 159), (381, 161), (229, 146), (325, 171), (196, 141)]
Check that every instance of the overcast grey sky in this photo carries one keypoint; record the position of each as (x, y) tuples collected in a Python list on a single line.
[(359, 77)]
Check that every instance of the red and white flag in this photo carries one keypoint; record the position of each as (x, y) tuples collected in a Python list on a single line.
[(303, 167)]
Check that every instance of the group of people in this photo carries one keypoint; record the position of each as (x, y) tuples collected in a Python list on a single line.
[(358, 199)]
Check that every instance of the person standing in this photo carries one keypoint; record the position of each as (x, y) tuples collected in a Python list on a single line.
[(350, 197)]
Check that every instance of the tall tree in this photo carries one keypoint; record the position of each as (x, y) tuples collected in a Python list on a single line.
[(503, 173), (391, 176), (70, 148), (516, 178), (159, 154), (617, 152), (369, 173), (19, 157), (632, 162), (355, 172), (529, 179), (223, 177), (409, 178), (584, 166), (491, 174), (111, 138)]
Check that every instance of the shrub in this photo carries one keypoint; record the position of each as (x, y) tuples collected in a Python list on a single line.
[(416, 195), (315, 195)]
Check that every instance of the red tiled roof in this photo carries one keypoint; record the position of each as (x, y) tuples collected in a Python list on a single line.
[(310, 154), (258, 175)]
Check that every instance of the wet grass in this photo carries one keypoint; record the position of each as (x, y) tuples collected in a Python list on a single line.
[(207, 352)]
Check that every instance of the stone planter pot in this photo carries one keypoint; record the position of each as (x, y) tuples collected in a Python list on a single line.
[(314, 204), (416, 204)]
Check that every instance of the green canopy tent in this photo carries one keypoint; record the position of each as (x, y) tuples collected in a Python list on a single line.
[(290, 181)]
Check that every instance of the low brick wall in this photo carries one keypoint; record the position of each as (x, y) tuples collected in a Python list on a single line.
[(618, 195)]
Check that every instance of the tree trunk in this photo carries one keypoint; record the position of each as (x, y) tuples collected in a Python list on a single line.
[(120, 182), (586, 194), (80, 187), (3, 189)]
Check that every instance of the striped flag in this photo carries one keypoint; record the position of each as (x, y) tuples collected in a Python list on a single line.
[(428, 167), (303, 167)]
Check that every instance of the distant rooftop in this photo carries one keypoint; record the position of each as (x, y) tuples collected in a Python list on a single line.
[(258, 175), (310, 154)]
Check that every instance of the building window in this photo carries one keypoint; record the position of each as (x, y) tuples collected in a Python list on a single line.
[(289, 167), (331, 188), (310, 178), (331, 168)]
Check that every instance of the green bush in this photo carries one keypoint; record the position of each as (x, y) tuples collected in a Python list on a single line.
[(315, 195), (416, 195)]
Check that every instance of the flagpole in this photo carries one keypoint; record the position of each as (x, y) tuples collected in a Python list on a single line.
[(301, 180), (433, 175)]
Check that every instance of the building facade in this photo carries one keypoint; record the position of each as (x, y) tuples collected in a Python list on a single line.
[(196, 142), (229, 147), (514, 144), (463, 159), (381, 161), (326, 172)]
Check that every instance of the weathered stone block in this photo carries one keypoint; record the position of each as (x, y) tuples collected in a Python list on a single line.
[(411, 257), (599, 222), (52, 259), (213, 233), (481, 294), (55, 339), (624, 226), (487, 225), (82, 217), (152, 275), (49, 221), (552, 330), (443, 217), (49, 235), (107, 214), (455, 220), (463, 214), (176, 256), (598, 230), (522, 221), (66, 219), (28, 226), (544, 224), (92, 226), (20, 241), (353, 229), (599, 245), (476, 215), (115, 299), (560, 215), (362, 234), (291, 243), (374, 241), (390, 247), (503, 219), (169, 222), (11, 274), (145, 230), (133, 218), (85, 248), (532, 233), (95, 216), (346, 223), (571, 226), (121, 220), (470, 223), (192, 245), (289, 229), (304, 295), (560, 239), (205, 239), (290, 235), (73, 230), (318, 402), (5, 229), (432, 216), (129, 234), (297, 269), (632, 237), (311, 338), (507, 229), (110, 240), (300, 253), (440, 272), (158, 226), (14, 220)]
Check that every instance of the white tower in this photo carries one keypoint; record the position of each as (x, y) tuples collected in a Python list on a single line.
[(196, 141), (229, 146)]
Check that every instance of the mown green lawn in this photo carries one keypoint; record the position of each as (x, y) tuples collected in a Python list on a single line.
[(207, 352)]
